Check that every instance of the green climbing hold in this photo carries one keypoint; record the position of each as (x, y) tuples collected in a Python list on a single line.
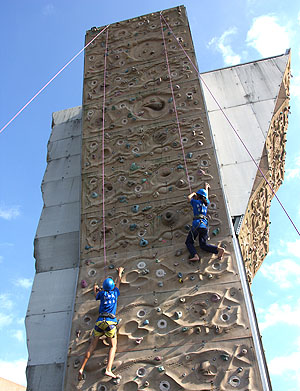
[(134, 167), (184, 329), (122, 199), (180, 167), (143, 180), (216, 231), (161, 368), (132, 227), (148, 207), (129, 115), (170, 100)]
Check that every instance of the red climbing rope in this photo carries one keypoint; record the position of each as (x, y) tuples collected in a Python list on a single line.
[(231, 125), (103, 161), (46, 85), (174, 103)]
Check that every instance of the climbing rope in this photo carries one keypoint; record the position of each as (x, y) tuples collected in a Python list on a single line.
[(103, 159), (174, 103), (50, 81), (231, 125)]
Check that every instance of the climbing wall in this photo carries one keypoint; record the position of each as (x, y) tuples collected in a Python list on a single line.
[(183, 326)]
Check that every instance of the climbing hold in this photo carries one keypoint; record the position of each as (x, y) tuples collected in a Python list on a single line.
[(170, 100), (189, 155), (184, 329), (161, 368), (158, 309), (121, 159), (216, 231), (141, 372), (160, 284), (117, 380), (215, 298), (225, 357), (94, 194), (179, 275), (180, 280), (134, 167), (83, 284), (139, 340), (178, 314), (143, 180), (143, 242), (145, 272), (78, 332), (146, 321), (182, 300), (122, 199), (180, 167), (146, 384), (135, 208), (87, 247), (157, 358), (148, 207), (192, 278), (111, 266), (198, 330), (240, 369), (132, 227)]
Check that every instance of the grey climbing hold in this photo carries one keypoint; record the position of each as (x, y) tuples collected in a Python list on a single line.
[(179, 275), (94, 194), (160, 284), (189, 155), (87, 247), (184, 329), (132, 227), (146, 322), (180, 167), (111, 266), (122, 199)]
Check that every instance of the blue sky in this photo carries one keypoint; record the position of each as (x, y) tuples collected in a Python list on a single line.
[(37, 38)]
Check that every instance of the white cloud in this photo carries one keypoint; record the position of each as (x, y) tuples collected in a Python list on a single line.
[(14, 371), (267, 36), (5, 302), (283, 273), (18, 334), (294, 248), (280, 314), (5, 320), (287, 365), (23, 283), (9, 213), (222, 45), (294, 173), (48, 9)]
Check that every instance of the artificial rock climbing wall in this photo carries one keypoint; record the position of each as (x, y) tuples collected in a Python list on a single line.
[(254, 233), (184, 326)]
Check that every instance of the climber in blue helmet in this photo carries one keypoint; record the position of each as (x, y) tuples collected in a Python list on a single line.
[(106, 322), (200, 202)]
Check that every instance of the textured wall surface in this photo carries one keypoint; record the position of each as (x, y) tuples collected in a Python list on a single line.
[(183, 326), (56, 250), (258, 108)]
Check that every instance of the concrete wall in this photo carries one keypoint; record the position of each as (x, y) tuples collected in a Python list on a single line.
[(56, 250)]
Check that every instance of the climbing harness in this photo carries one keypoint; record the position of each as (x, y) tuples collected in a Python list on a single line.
[(107, 315)]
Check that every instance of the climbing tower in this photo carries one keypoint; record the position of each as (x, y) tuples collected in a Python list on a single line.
[(115, 194)]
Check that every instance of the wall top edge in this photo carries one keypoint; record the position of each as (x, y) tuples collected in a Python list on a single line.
[(156, 13)]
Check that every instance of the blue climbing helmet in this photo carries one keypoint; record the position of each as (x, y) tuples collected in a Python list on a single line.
[(202, 192), (108, 284)]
